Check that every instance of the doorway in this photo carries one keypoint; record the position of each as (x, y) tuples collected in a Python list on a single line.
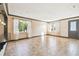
[(73, 28)]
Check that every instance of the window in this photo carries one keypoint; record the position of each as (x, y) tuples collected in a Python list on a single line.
[(22, 26), (73, 26)]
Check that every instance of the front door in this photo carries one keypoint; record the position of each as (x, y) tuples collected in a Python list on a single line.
[(73, 28)]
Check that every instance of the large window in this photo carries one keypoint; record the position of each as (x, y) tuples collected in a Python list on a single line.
[(22, 26)]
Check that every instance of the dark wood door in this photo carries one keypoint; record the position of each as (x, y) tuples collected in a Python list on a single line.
[(73, 29)]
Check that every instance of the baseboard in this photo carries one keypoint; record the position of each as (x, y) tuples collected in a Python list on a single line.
[(39, 36), (57, 36), (25, 38), (34, 36)]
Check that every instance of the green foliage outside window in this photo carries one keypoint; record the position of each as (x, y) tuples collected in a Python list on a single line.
[(22, 26)]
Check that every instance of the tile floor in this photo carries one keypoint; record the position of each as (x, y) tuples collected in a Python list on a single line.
[(43, 46)]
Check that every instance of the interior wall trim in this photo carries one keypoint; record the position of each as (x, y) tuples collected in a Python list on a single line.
[(57, 36), (64, 19), (60, 36), (6, 4), (25, 38), (39, 36), (26, 18), (6, 8)]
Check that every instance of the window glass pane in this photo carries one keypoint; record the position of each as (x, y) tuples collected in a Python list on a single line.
[(22, 26), (73, 26)]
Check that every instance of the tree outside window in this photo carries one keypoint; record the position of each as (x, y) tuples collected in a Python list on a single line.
[(22, 26)]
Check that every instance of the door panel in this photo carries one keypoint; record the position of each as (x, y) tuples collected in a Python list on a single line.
[(73, 28)]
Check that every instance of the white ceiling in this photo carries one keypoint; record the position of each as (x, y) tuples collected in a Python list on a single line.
[(44, 11)]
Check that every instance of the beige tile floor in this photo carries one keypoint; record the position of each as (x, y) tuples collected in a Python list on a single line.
[(43, 46)]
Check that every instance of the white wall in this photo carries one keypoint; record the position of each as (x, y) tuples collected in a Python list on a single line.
[(55, 26), (38, 28), (35, 28), (64, 28), (61, 28), (29, 29)]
